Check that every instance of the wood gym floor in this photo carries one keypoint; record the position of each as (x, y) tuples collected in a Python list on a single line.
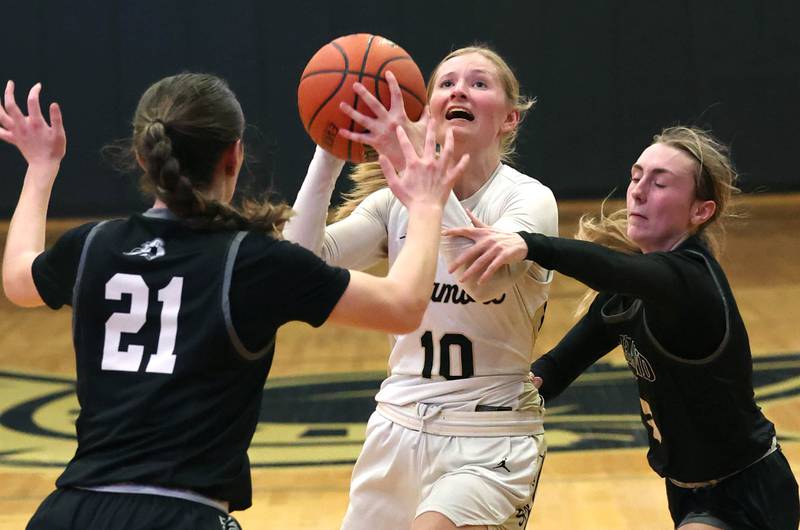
[(595, 477)]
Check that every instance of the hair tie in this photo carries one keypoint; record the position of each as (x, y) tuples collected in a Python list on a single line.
[(159, 121)]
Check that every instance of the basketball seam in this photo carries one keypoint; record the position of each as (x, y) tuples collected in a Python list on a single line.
[(379, 78), (341, 82), (403, 88), (355, 98)]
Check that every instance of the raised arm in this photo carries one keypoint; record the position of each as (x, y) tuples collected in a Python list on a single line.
[(43, 145), (356, 242), (397, 302), (307, 226), (532, 207), (652, 277)]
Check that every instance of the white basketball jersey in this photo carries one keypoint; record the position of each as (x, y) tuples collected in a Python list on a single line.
[(469, 352)]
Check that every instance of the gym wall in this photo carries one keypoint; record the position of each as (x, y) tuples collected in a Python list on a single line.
[(607, 75)]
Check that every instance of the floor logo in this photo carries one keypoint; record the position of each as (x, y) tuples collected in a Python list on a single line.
[(317, 420)]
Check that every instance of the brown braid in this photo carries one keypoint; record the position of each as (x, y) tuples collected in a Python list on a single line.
[(181, 128)]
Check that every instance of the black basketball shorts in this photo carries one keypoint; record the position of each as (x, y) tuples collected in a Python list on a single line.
[(77, 509), (762, 497)]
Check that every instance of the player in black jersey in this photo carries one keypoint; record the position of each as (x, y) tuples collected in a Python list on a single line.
[(665, 299), (175, 310)]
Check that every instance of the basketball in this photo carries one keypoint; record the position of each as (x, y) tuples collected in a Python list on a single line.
[(328, 79)]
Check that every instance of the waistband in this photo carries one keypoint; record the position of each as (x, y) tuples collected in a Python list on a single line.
[(714, 482), (141, 489), (433, 419)]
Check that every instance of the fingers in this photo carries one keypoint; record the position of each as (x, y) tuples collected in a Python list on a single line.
[(10, 104), (479, 265), (462, 231), (370, 101), (34, 110), (56, 120), (405, 145), (389, 172), (468, 256), (362, 119), (456, 171), (535, 379), (6, 136), (446, 151), (475, 221), (429, 145), (396, 95), (362, 138), (493, 267), (5, 119), (425, 116)]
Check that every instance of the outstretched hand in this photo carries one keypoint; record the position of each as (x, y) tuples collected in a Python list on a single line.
[(535, 380), (427, 178), (492, 250), (39, 142), (380, 130)]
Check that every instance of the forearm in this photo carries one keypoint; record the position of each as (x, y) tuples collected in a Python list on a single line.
[(396, 303), (582, 346), (307, 226), (646, 276), (454, 216), (414, 269), (26, 235)]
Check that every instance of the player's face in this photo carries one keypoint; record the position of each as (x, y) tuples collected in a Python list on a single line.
[(662, 207), (468, 97)]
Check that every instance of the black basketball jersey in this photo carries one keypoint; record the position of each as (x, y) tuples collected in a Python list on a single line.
[(699, 411), (170, 393)]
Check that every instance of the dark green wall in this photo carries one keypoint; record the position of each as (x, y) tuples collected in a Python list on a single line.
[(607, 75)]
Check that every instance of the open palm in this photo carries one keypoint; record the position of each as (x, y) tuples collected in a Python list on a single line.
[(38, 141)]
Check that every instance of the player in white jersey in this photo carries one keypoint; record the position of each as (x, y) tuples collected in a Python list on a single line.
[(457, 437)]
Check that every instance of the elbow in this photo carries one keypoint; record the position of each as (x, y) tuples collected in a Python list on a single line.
[(9, 289), (18, 293), (17, 296)]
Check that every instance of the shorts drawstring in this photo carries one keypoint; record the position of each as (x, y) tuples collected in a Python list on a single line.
[(425, 412)]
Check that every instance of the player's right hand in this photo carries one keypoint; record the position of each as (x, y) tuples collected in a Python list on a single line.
[(380, 131), (39, 142)]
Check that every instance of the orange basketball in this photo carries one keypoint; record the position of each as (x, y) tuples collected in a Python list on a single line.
[(329, 77)]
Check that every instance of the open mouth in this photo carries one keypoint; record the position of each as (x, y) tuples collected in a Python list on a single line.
[(459, 114)]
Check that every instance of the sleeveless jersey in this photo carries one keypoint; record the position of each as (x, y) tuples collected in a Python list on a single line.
[(169, 394), (469, 352)]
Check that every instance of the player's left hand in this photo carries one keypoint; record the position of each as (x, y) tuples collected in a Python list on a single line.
[(492, 250)]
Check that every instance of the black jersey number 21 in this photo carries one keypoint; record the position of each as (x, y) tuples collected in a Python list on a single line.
[(448, 341), (161, 362)]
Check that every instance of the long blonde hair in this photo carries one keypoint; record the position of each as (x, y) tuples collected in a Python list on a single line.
[(715, 180), (368, 177)]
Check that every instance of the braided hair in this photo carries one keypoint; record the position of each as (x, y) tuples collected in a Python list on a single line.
[(182, 126)]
